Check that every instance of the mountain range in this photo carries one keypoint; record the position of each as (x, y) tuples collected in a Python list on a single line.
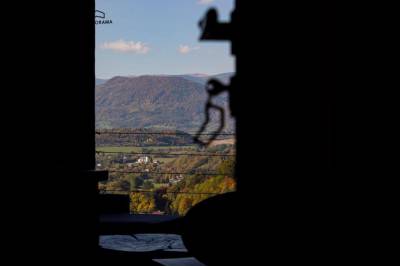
[(157, 101)]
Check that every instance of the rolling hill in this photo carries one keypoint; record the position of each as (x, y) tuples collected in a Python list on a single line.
[(163, 102)]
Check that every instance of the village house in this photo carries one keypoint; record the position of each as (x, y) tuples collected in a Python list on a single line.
[(144, 160)]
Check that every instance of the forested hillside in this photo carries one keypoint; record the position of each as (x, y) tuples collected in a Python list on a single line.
[(164, 102), (142, 137), (172, 186), (192, 190)]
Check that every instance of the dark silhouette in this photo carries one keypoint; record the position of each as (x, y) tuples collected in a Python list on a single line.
[(214, 88), (290, 212)]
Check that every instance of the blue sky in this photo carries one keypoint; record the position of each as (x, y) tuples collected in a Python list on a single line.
[(159, 37)]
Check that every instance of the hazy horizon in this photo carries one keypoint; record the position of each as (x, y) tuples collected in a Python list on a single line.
[(149, 37), (182, 74)]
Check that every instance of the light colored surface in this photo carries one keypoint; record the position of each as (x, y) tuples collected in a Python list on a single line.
[(180, 262), (222, 141), (143, 242), (150, 242)]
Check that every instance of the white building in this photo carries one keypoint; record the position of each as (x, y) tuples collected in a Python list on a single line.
[(144, 160)]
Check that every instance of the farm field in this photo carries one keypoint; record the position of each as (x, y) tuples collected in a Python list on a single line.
[(123, 149)]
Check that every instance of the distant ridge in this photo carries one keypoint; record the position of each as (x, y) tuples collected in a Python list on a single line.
[(100, 81), (155, 101), (202, 78)]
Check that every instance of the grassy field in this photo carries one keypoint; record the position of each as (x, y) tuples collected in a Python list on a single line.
[(140, 149), (165, 160), (158, 186), (222, 141), (177, 149)]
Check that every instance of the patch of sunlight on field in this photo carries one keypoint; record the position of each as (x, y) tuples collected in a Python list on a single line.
[(165, 160), (159, 185), (148, 148)]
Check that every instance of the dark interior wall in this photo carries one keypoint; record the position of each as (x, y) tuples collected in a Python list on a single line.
[(70, 92), (50, 117), (285, 71)]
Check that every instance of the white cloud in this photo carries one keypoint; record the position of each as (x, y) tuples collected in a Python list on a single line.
[(126, 47), (205, 2), (185, 49)]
